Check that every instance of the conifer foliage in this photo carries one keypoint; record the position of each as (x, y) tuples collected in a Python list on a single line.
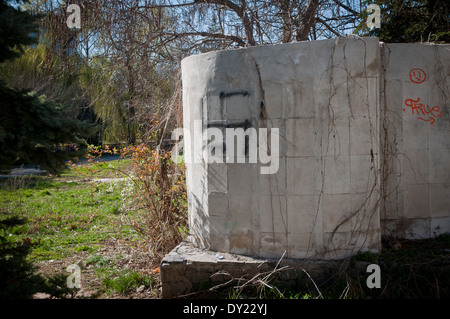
[(32, 129)]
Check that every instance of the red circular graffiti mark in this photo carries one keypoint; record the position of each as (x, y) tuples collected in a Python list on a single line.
[(417, 76)]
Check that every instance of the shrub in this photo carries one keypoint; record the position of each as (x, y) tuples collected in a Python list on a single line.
[(159, 188)]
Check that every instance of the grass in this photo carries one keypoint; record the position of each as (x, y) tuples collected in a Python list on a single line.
[(56, 218), (62, 216), (114, 168), (117, 280)]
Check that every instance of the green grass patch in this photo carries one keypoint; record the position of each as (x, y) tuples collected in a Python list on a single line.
[(63, 216), (125, 281), (116, 280), (114, 168)]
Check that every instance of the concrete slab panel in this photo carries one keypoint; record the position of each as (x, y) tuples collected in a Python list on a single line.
[(298, 100), (415, 166), (362, 136), (272, 243), (416, 201), (301, 137), (301, 245), (362, 174), (336, 172), (301, 175), (439, 200), (439, 226), (439, 165), (302, 213), (272, 214), (337, 213)]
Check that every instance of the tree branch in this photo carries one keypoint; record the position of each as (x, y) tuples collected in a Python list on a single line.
[(339, 3), (328, 27), (233, 38)]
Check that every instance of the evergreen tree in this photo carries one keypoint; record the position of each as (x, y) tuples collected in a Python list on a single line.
[(410, 21), (31, 128)]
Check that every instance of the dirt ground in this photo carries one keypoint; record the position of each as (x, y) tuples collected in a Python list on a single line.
[(91, 284)]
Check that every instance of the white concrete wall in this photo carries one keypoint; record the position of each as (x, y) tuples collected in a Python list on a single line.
[(416, 140), (324, 201)]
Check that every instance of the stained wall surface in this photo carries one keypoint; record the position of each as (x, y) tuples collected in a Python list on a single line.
[(415, 93), (323, 201)]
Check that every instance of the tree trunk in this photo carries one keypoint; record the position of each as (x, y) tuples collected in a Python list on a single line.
[(287, 21), (306, 20)]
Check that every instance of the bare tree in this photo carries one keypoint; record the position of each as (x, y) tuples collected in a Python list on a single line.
[(130, 49), (256, 22)]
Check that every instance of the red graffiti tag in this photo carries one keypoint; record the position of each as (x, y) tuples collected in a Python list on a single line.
[(420, 109), (417, 76)]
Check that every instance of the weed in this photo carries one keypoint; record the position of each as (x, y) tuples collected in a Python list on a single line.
[(97, 260), (159, 185), (125, 281)]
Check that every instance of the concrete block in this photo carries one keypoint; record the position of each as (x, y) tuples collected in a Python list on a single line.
[(219, 233), (416, 201), (415, 133), (358, 58), (362, 174), (336, 212), (238, 105), (439, 226), (336, 172), (218, 204), (363, 97), (279, 124), (217, 177), (417, 228), (301, 175), (274, 184), (301, 137), (439, 200), (439, 135), (272, 214), (365, 211), (362, 136), (301, 245), (241, 210), (273, 95), (439, 165), (369, 240), (241, 242), (271, 244), (339, 245), (341, 122), (338, 106), (415, 164), (337, 140), (298, 100), (242, 178), (213, 109), (302, 213)]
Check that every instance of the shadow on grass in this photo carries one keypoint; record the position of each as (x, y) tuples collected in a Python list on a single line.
[(18, 277)]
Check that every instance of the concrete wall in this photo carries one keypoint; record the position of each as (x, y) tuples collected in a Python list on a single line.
[(324, 199), (415, 93)]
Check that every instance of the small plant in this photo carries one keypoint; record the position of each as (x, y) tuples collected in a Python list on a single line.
[(125, 281), (97, 260)]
